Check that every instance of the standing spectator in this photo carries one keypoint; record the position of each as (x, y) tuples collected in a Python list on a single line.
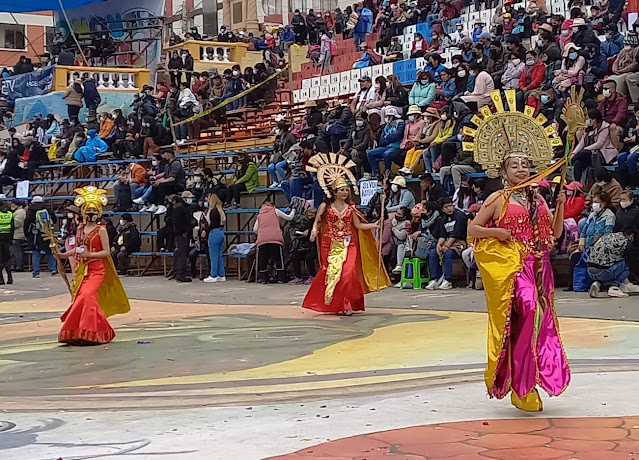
[(38, 214), (19, 239), (361, 28), (311, 22), (216, 219), (91, 95), (73, 97), (300, 248), (174, 65), (299, 27), (128, 242), (186, 67), (326, 54), (270, 241), (181, 220), (246, 180), (6, 236), (451, 241)]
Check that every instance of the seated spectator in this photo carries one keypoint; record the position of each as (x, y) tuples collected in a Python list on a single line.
[(374, 103), (299, 247), (284, 140), (575, 201), (514, 68), (396, 96), (478, 29), (464, 197), (628, 216), (131, 183), (532, 76), (52, 129), (423, 92), (496, 60), (365, 94), (400, 196), (614, 41), (594, 143), (12, 171), (626, 63), (91, 149), (360, 139), (582, 34), (128, 242), (607, 264), (431, 189), (467, 49), (419, 46), (34, 155), (445, 132), (547, 45), (614, 110), (596, 66), (565, 36), (479, 55), (604, 182), (459, 34), (337, 126), (435, 66), (429, 132), (600, 222), (389, 150), (270, 242), (482, 87), (246, 180), (514, 46), (395, 51), (368, 57), (107, 126), (401, 228), (297, 158), (448, 88), (451, 241), (628, 159)]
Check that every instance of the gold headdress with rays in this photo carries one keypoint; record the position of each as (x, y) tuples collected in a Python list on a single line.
[(90, 199), (502, 134), (574, 112), (332, 171)]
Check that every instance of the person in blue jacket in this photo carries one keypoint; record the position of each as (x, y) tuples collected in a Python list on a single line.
[(448, 87), (93, 147), (435, 66), (614, 41), (361, 28), (596, 64), (288, 36), (389, 142)]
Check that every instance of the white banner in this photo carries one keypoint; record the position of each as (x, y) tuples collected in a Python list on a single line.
[(367, 189), (127, 22)]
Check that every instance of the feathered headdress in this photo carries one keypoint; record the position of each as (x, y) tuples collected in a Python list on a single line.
[(90, 199), (332, 171)]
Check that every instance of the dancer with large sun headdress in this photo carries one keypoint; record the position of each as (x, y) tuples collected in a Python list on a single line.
[(348, 249), (514, 233), (96, 289)]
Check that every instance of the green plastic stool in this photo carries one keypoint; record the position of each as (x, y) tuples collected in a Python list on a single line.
[(419, 277)]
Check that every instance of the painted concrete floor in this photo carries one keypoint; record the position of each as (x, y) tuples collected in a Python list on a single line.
[(237, 371)]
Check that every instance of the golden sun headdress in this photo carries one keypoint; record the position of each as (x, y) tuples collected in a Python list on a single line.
[(509, 133), (332, 170), (90, 199)]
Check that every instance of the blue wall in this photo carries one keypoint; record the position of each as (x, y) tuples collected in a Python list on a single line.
[(28, 107)]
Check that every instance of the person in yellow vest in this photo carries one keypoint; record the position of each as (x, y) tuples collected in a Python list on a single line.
[(6, 238)]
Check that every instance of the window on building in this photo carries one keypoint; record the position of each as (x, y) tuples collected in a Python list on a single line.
[(237, 13), (12, 37), (49, 37)]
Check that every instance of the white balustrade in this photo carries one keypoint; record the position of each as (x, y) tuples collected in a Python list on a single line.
[(215, 53), (111, 81)]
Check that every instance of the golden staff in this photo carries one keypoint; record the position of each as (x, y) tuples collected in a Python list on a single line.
[(381, 228), (48, 235)]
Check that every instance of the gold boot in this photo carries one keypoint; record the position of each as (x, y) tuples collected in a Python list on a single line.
[(530, 403)]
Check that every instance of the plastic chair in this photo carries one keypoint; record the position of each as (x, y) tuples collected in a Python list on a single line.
[(418, 277)]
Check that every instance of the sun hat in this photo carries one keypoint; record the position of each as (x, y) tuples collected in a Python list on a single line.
[(399, 180), (414, 110)]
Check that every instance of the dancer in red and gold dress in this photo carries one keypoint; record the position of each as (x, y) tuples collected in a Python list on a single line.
[(96, 290), (348, 249)]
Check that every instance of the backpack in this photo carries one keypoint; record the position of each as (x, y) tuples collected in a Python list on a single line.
[(42, 219)]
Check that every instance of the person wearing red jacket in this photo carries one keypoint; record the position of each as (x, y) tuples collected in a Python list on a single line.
[(533, 75), (575, 201), (419, 46)]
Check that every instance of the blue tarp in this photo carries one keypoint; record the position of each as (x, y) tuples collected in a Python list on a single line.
[(12, 6)]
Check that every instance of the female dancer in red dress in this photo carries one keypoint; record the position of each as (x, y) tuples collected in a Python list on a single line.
[(96, 290), (348, 250)]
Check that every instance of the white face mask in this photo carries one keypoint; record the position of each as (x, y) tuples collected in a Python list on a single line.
[(197, 179), (606, 92), (461, 73), (236, 73), (155, 162), (601, 183), (565, 32), (122, 221), (394, 188), (411, 118), (596, 207), (516, 62), (625, 204)]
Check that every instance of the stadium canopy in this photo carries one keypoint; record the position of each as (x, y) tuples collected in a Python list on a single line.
[(13, 6)]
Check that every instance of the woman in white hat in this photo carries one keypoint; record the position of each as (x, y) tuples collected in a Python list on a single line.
[(571, 66), (400, 196)]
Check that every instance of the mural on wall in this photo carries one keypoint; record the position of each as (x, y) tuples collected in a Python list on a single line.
[(28, 107), (136, 43)]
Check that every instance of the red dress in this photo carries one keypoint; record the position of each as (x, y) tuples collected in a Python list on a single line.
[(338, 249), (84, 323)]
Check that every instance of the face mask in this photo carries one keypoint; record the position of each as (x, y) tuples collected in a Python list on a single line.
[(575, 30), (444, 117), (530, 63), (389, 119), (197, 179), (122, 221), (206, 204), (411, 118), (189, 201), (93, 217), (588, 122), (606, 92), (596, 207), (565, 32), (608, 37), (601, 183), (516, 62), (455, 65), (378, 189), (434, 37), (625, 204), (155, 162), (278, 130), (461, 73), (388, 85), (473, 73), (359, 123), (394, 188), (545, 99), (236, 73)]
